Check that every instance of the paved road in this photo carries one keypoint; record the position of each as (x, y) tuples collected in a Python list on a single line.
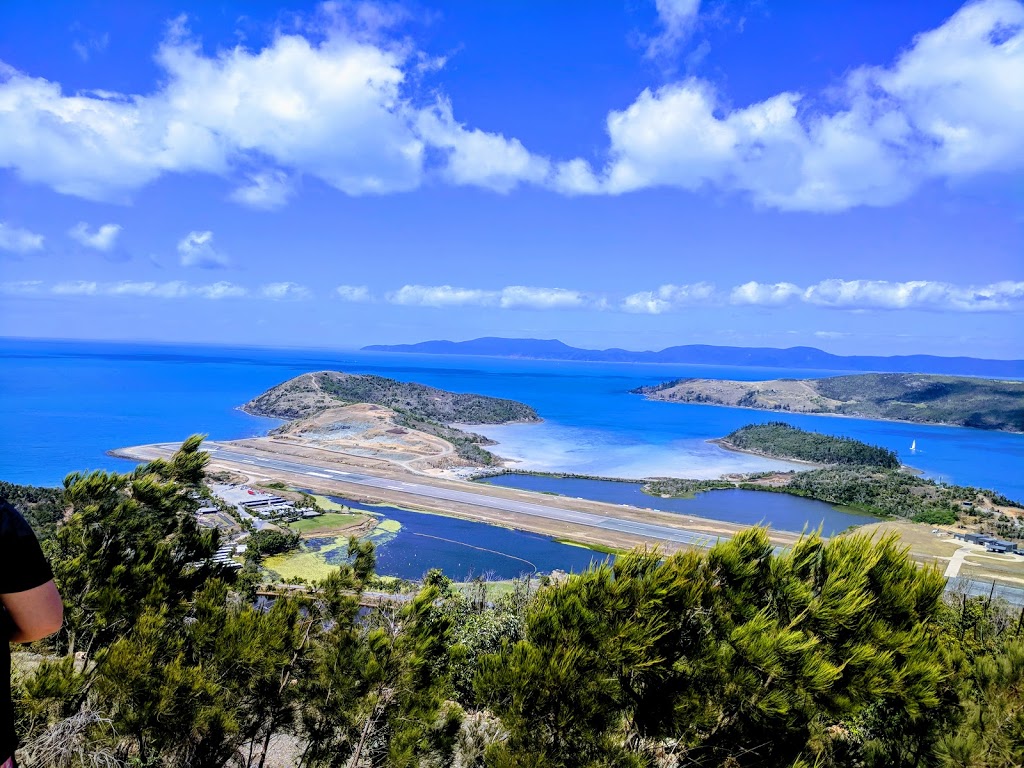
[(584, 519)]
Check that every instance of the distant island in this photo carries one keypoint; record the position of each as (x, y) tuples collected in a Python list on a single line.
[(779, 440), (308, 402), (958, 401), (807, 358)]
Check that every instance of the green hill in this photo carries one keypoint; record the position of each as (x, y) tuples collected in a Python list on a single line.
[(956, 400), (780, 440), (312, 393)]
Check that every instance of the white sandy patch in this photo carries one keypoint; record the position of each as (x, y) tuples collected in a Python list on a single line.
[(551, 447)]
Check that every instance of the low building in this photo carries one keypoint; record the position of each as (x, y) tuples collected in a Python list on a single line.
[(996, 545)]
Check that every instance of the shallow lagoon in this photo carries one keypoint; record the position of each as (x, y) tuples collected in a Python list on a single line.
[(735, 505), (461, 548)]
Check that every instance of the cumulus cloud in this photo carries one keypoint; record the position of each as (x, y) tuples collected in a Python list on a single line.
[(676, 18), (285, 291), (331, 103), (951, 106), (340, 105), (354, 293), (763, 293), (440, 296), (18, 240), (267, 191), (669, 297), (196, 250), (475, 157), (103, 239), (521, 296)]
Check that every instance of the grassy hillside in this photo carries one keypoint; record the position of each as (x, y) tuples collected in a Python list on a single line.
[(781, 440), (967, 402), (415, 406), (311, 393)]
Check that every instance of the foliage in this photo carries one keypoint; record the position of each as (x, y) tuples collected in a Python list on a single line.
[(271, 542), (930, 399), (674, 486), (41, 507), (776, 438), (419, 400), (935, 516), (831, 654)]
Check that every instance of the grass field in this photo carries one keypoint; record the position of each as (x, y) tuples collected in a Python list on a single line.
[(306, 565), (329, 523)]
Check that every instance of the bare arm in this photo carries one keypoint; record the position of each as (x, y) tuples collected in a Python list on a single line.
[(36, 613)]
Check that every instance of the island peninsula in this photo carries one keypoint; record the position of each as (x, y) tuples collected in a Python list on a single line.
[(927, 399)]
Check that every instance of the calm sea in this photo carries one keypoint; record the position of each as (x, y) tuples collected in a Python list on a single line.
[(64, 404)]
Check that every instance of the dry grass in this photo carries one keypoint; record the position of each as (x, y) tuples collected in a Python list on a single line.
[(924, 545)]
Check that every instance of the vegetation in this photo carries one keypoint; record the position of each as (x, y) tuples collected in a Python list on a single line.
[(889, 493), (929, 399), (831, 654), (683, 487), (419, 400), (42, 507), (416, 406), (778, 439), (260, 544)]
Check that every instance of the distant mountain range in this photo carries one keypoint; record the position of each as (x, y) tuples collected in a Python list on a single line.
[(704, 354)]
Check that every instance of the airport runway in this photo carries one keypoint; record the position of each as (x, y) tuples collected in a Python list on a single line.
[(584, 519)]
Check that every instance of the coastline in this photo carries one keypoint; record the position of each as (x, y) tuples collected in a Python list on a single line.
[(857, 417), (721, 442)]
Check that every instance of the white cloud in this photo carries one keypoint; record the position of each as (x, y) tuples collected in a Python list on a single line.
[(20, 287), (916, 294), (174, 289), (18, 240), (269, 190), (102, 239), (196, 250), (762, 293), (1002, 296), (510, 297), (950, 107), (332, 105), (220, 290), (285, 291), (677, 18), (441, 296), (521, 296), (670, 297), (340, 105), (76, 288), (355, 293), (475, 157)]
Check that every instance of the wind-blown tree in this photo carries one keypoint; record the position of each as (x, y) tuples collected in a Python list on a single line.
[(740, 656), (128, 543)]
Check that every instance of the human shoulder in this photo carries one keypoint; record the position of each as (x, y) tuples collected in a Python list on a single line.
[(12, 524)]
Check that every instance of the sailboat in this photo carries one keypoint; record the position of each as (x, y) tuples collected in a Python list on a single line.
[(913, 446)]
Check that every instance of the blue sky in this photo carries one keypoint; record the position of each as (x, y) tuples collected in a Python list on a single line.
[(633, 173)]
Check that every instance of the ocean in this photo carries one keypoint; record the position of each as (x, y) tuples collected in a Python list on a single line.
[(63, 404)]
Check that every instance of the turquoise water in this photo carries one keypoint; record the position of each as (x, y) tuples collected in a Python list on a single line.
[(734, 505), (64, 404)]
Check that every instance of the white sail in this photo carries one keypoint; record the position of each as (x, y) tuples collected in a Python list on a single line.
[(913, 445)]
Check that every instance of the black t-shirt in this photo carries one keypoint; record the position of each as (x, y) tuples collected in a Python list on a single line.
[(22, 567)]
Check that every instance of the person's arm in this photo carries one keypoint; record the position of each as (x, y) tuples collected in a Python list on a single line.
[(35, 613)]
